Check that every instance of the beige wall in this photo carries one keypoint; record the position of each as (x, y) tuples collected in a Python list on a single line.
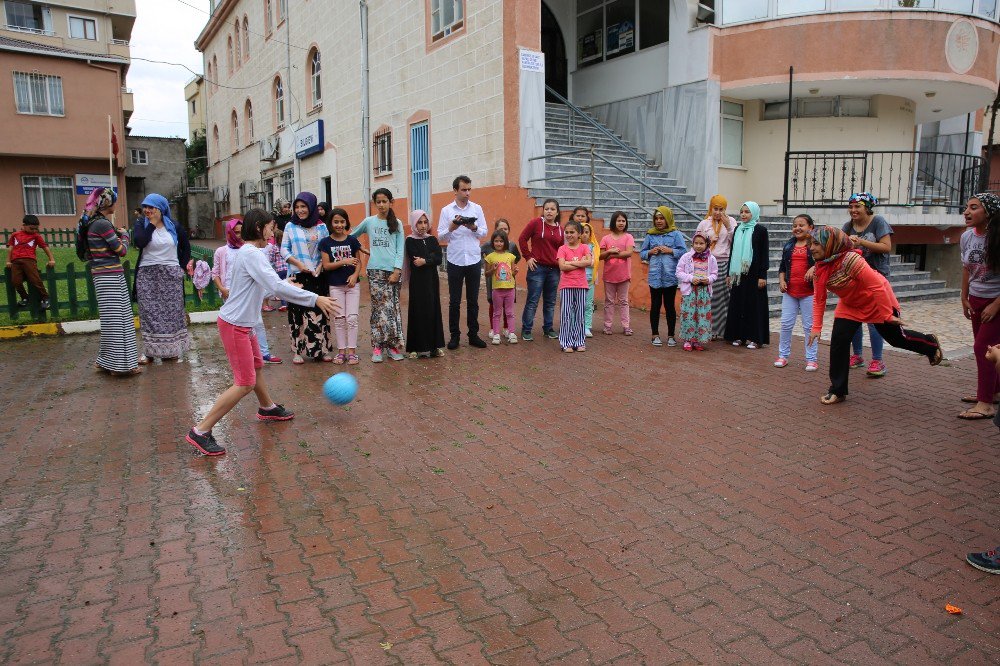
[(764, 142), (459, 86)]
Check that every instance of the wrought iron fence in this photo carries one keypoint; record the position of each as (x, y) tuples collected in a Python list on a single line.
[(826, 179)]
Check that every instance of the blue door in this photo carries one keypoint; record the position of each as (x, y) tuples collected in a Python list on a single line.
[(420, 169)]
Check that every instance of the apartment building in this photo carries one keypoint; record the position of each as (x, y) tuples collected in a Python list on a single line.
[(67, 61), (701, 89), (194, 96)]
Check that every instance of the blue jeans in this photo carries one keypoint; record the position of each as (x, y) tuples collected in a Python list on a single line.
[(261, 334), (543, 282), (877, 342), (791, 308)]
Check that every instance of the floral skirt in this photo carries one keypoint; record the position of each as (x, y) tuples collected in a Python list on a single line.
[(387, 318), (309, 327), (696, 315), (162, 321)]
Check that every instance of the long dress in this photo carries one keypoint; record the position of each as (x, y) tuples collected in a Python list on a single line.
[(424, 326), (747, 319)]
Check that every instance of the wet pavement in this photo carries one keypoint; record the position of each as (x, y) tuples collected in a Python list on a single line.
[(513, 505)]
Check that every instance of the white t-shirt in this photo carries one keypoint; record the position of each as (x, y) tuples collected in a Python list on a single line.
[(983, 282), (253, 279), (161, 250)]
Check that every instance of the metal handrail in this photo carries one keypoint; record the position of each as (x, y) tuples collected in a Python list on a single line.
[(601, 128), (666, 197)]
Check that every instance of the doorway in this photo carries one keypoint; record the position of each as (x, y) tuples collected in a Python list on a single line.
[(554, 48)]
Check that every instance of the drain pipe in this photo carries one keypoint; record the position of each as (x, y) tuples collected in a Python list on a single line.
[(366, 146)]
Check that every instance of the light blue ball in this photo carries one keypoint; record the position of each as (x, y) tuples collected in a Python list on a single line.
[(341, 388)]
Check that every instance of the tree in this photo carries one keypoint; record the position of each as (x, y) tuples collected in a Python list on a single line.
[(197, 156)]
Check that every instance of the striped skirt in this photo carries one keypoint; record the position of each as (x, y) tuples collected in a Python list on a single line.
[(162, 320), (572, 314), (720, 300), (118, 351)]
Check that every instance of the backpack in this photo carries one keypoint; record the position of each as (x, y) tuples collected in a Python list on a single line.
[(82, 242)]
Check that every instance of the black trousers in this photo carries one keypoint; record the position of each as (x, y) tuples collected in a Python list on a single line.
[(662, 296), (469, 276), (894, 334)]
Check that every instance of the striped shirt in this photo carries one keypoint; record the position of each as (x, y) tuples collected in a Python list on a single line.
[(106, 246)]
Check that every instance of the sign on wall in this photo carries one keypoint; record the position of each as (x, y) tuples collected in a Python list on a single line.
[(88, 182), (532, 61), (309, 139)]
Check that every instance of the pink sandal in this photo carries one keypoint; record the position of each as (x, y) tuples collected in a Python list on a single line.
[(353, 359), (339, 359)]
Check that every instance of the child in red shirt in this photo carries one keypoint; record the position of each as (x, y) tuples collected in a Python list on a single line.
[(22, 262)]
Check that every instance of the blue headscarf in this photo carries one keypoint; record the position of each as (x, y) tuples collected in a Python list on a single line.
[(160, 202)]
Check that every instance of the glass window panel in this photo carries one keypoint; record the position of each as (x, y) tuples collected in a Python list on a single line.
[(590, 37), (732, 108), (775, 110), (654, 27), (38, 96), (856, 107), (732, 142), (586, 5), (857, 4), (55, 95), (620, 28), (988, 8), (786, 7), (816, 108), (956, 5), (743, 10), (22, 92)]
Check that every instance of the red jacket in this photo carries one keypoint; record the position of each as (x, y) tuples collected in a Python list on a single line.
[(540, 242)]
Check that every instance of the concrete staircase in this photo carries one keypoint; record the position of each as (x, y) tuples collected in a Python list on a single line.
[(908, 283)]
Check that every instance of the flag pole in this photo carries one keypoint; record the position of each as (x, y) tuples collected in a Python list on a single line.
[(111, 160)]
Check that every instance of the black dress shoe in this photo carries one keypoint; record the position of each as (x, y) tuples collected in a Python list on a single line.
[(453, 343), (477, 342)]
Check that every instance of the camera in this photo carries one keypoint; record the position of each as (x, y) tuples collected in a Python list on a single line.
[(466, 221)]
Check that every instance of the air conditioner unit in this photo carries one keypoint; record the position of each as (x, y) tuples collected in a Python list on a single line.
[(269, 148), (220, 194)]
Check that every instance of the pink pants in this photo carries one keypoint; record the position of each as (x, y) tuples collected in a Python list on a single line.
[(616, 295), (346, 323), (984, 334), (503, 309), (243, 352)]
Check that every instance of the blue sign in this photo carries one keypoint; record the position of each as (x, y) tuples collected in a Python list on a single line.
[(309, 139), (88, 182)]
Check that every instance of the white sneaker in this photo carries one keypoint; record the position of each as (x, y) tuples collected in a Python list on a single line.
[(495, 338), (589, 333), (511, 338), (671, 342)]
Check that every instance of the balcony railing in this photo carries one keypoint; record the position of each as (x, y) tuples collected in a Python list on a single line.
[(827, 179), (730, 12), (120, 42), (33, 31)]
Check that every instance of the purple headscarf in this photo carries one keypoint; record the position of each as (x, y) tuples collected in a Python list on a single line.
[(309, 199)]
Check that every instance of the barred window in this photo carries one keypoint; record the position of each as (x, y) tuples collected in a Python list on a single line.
[(382, 151), (286, 184), (38, 94), (48, 195)]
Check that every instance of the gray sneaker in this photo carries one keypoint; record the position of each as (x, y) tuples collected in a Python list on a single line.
[(527, 336), (657, 342), (671, 342)]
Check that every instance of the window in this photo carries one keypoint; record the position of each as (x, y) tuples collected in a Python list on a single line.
[(82, 28), (282, 10), (194, 107), (238, 53), (138, 156), (267, 18), (279, 102), (28, 17), (246, 38), (48, 195), (382, 151), (608, 29), (229, 54), (234, 128), (215, 68), (286, 184), (38, 94), (819, 107), (314, 79), (447, 16), (732, 134), (267, 186), (248, 116), (210, 79), (215, 142)]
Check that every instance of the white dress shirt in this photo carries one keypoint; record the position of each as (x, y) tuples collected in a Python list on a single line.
[(463, 243)]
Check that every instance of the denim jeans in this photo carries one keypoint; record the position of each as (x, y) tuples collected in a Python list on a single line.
[(791, 307), (876, 340), (543, 282)]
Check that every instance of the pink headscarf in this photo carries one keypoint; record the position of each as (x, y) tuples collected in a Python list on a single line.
[(233, 239), (99, 199), (414, 218)]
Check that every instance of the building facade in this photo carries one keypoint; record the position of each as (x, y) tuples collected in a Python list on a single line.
[(155, 165), (701, 88), (194, 95), (67, 60)]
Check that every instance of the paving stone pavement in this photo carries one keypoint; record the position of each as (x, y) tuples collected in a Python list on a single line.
[(512, 505)]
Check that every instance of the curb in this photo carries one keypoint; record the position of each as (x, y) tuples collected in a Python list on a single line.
[(85, 326)]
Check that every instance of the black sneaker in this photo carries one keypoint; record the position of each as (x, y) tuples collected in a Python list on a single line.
[(276, 413), (45, 304), (453, 343), (988, 561), (477, 342), (23, 303), (205, 443)]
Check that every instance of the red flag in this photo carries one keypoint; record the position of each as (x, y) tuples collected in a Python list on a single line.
[(114, 142)]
